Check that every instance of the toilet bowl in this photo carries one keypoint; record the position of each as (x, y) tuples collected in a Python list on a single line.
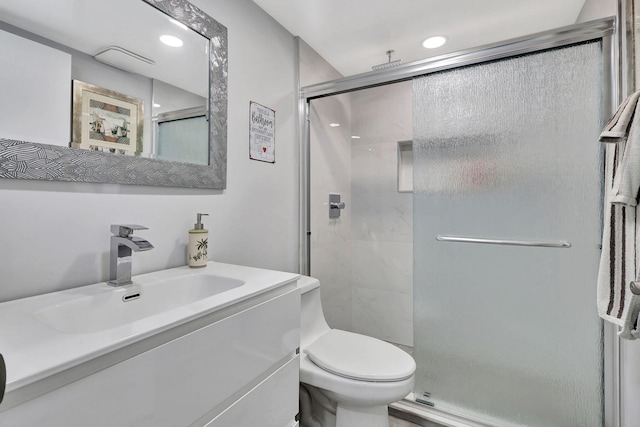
[(350, 379)]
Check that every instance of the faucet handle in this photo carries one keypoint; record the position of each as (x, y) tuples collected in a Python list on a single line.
[(125, 230)]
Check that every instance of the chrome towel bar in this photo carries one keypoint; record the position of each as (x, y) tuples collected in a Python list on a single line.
[(557, 244)]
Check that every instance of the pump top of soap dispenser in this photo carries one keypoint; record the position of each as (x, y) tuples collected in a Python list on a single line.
[(199, 225)]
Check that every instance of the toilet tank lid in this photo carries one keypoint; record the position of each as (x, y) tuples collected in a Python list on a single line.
[(360, 357), (307, 283)]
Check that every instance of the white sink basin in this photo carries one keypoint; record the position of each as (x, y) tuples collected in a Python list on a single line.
[(118, 306), (50, 333)]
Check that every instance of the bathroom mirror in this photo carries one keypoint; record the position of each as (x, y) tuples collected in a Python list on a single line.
[(182, 95)]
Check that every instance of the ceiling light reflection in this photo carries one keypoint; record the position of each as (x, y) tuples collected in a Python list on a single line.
[(171, 40)]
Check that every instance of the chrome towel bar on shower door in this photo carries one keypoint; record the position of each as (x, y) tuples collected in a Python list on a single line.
[(459, 239)]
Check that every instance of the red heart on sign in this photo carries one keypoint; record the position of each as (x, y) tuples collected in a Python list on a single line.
[(264, 149)]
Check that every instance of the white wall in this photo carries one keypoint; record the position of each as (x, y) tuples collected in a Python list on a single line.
[(56, 235), (43, 91), (596, 9), (313, 68)]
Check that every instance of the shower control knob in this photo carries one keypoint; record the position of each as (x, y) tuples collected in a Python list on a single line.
[(335, 205)]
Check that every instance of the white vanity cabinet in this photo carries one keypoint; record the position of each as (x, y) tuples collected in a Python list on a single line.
[(233, 367)]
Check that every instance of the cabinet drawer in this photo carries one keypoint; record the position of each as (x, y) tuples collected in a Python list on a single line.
[(179, 382), (272, 403)]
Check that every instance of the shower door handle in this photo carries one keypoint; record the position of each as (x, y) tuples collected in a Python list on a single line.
[(460, 239)]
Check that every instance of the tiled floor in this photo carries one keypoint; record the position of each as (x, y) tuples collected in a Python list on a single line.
[(396, 422)]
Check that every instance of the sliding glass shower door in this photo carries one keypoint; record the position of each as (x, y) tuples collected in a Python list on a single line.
[(507, 180)]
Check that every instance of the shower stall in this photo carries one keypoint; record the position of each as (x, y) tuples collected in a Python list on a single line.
[(469, 222)]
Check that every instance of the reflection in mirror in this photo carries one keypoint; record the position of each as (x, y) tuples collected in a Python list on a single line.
[(119, 52), (180, 124), (124, 54)]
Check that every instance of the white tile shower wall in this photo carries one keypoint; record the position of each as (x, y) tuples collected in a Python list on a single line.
[(330, 238), (56, 235), (364, 259), (384, 315), (330, 172), (381, 217)]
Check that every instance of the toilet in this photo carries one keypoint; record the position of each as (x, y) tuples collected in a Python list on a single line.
[(346, 379)]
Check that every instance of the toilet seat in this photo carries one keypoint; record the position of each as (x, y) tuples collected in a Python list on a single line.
[(360, 357)]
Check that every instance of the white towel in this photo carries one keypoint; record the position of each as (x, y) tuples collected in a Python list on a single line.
[(619, 259), (618, 126), (624, 127)]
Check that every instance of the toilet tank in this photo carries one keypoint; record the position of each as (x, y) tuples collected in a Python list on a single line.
[(312, 321)]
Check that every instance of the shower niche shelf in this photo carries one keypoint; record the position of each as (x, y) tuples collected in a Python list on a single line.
[(405, 166)]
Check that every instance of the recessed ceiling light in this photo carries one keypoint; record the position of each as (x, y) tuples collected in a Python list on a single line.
[(334, 125), (355, 137), (156, 105), (434, 42), (171, 41)]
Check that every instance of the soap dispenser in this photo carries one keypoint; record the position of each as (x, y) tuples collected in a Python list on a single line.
[(198, 243)]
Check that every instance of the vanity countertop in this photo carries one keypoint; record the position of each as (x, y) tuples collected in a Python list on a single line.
[(47, 334)]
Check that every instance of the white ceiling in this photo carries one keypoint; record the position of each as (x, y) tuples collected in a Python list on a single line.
[(354, 35)]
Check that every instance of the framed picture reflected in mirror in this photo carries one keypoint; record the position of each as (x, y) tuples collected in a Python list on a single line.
[(106, 121)]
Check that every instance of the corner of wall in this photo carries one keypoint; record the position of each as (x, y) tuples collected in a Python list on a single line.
[(596, 9)]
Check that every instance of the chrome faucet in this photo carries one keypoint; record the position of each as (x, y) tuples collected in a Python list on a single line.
[(122, 244)]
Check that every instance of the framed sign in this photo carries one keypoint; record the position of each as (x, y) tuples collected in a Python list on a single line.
[(107, 121), (262, 133)]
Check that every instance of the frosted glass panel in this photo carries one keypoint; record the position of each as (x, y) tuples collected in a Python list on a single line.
[(509, 335), (184, 140)]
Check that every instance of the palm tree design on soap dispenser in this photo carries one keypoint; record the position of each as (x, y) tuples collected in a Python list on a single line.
[(202, 245)]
